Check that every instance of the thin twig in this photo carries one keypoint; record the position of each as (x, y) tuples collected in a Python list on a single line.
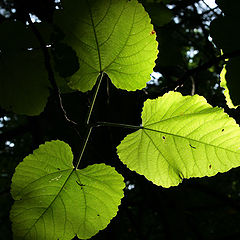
[(193, 86), (48, 66)]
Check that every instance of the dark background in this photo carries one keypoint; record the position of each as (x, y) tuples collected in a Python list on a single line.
[(207, 208)]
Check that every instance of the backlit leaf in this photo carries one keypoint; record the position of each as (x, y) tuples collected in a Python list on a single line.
[(114, 37), (182, 137), (55, 201), (232, 82)]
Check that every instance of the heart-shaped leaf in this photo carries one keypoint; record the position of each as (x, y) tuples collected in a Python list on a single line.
[(111, 36), (53, 200), (181, 137)]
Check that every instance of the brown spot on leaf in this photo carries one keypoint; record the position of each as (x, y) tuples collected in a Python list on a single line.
[(152, 32)]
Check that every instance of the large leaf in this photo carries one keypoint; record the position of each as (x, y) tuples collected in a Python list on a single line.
[(23, 79), (55, 201), (181, 137), (112, 36), (24, 84)]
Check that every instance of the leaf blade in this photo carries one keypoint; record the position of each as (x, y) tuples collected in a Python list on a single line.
[(110, 36), (61, 202), (184, 137)]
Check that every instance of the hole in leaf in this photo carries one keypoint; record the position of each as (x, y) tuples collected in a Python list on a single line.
[(58, 169), (210, 166), (98, 215), (163, 138), (192, 146), (222, 129)]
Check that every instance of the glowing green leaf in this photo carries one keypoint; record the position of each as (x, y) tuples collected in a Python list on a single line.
[(223, 84), (181, 137), (55, 201), (115, 37)]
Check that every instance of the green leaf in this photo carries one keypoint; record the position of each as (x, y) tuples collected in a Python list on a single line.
[(12, 30), (114, 37), (223, 29), (159, 13), (223, 32), (230, 83), (55, 201), (23, 78), (181, 137), (24, 84)]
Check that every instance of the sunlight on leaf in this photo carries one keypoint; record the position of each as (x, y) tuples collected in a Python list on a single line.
[(114, 37), (182, 137), (223, 84), (55, 201)]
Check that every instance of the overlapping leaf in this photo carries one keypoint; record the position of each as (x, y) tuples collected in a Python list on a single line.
[(231, 87), (225, 35), (112, 36), (24, 84), (181, 137), (23, 78), (55, 201)]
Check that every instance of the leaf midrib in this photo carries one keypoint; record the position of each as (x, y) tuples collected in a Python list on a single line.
[(95, 36), (189, 139), (41, 178), (50, 203), (204, 112)]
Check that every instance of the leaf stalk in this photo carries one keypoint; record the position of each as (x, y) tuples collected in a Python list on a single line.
[(121, 125), (89, 127)]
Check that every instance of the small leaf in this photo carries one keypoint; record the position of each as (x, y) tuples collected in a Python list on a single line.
[(232, 82), (182, 137), (112, 37), (55, 201)]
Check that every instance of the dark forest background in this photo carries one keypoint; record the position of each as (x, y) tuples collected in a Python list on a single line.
[(188, 61)]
